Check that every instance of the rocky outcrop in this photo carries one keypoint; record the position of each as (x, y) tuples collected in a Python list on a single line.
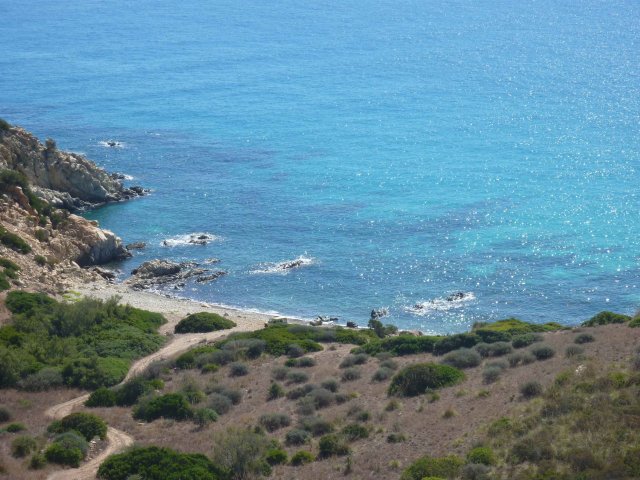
[(63, 179), (156, 273)]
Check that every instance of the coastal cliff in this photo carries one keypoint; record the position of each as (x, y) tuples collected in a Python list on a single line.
[(63, 179), (40, 186)]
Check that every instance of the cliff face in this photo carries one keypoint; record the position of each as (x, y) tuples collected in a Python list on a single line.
[(48, 244), (63, 179)]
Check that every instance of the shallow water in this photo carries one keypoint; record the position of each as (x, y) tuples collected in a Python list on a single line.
[(407, 151)]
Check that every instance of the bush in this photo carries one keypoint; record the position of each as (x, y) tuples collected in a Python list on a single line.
[(496, 349), (605, 318), (388, 363), (462, 358), (102, 397), (275, 391), (332, 445), (584, 338), (355, 431), (238, 369), (330, 384), (350, 374), (42, 380), (203, 322), (444, 467), (129, 392), (382, 374), (204, 416), (316, 425), (56, 453), (351, 360), (171, 405), (302, 362), (276, 456), (530, 449), (15, 427), (13, 241), (71, 440), (520, 358), (297, 436), (299, 392), (279, 373), (295, 376), (531, 389), (543, 351), (526, 339), (241, 453), (156, 463), (482, 455), (86, 424), (4, 125), (491, 374), (321, 397), (416, 379), (573, 351), (396, 438), (274, 421), (220, 403), (294, 350), (22, 446), (245, 348), (234, 395), (302, 458), (38, 461), (476, 471), (5, 415)]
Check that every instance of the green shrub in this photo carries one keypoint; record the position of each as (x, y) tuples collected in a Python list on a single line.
[(396, 438), (316, 425), (274, 421), (496, 349), (38, 461), (491, 374), (445, 467), (40, 260), (531, 449), (22, 446), (279, 373), (303, 362), (56, 453), (129, 392), (238, 369), (520, 358), (297, 436), (606, 318), (351, 360), (449, 343), (71, 440), (203, 322), (276, 456), (25, 302), (302, 457), (250, 348), (44, 379), (15, 427), (462, 358), (242, 452), (584, 338), (482, 455), (220, 403), (382, 374), (171, 405), (204, 416), (350, 374), (275, 391), (388, 363), (295, 376), (416, 379), (233, 395), (4, 125), (321, 397), (332, 445), (13, 241), (330, 384), (355, 431), (86, 424), (513, 326), (5, 415), (299, 392), (573, 351), (531, 389), (526, 339), (156, 463), (543, 351)]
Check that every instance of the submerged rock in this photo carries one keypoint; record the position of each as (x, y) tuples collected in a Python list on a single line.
[(136, 246)]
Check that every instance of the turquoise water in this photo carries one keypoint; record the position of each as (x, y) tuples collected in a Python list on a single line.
[(408, 149)]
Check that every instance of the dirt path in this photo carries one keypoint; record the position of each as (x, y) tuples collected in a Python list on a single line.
[(119, 440)]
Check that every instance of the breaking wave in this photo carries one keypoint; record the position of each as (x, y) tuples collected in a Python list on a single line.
[(441, 304), (284, 267), (197, 238)]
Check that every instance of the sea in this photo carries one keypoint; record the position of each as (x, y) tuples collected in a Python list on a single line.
[(450, 162)]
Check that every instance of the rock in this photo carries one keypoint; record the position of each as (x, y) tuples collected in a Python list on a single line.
[(163, 272), (377, 313), (136, 246), (64, 179), (106, 274), (211, 261), (157, 268), (211, 277), (352, 325)]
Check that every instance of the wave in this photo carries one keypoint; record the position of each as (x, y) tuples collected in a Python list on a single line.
[(441, 304), (284, 267), (197, 238), (111, 144)]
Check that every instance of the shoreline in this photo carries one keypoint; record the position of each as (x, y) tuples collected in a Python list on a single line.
[(175, 309)]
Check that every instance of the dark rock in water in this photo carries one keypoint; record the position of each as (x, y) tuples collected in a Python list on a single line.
[(456, 296), (136, 246), (118, 176), (211, 277), (157, 268), (203, 237), (352, 325), (211, 261), (291, 264), (379, 313), (163, 272), (197, 241), (106, 274)]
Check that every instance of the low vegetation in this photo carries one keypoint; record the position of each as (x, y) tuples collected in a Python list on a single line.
[(420, 378), (203, 322)]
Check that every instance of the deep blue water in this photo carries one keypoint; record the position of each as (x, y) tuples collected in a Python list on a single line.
[(411, 149)]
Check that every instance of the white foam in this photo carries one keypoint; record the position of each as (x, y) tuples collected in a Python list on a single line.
[(284, 267), (111, 144), (191, 239), (441, 304)]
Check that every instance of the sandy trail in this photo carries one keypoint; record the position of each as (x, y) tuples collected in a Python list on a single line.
[(173, 310)]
